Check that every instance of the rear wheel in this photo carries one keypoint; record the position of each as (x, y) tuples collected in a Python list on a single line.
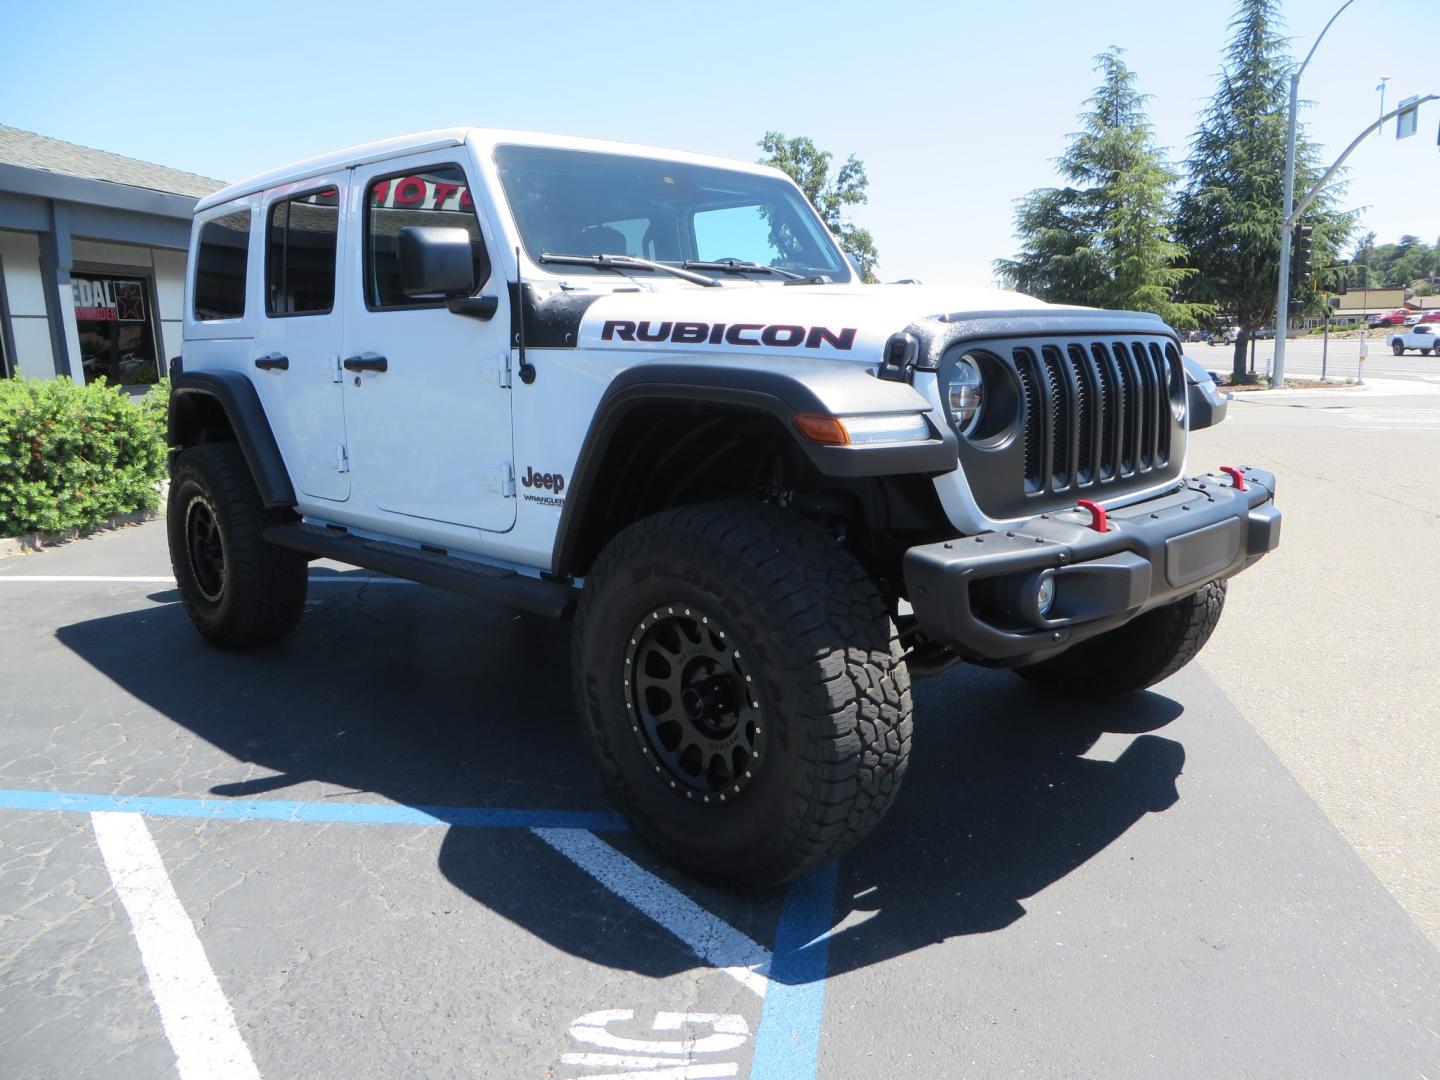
[(1145, 650), (741, 683), (1398, 348), (238, 590)]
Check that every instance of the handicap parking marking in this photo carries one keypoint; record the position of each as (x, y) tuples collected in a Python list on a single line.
[(728, 1032), (789, 978)]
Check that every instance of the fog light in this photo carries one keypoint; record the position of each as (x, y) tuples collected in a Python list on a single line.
[(1045, 595)]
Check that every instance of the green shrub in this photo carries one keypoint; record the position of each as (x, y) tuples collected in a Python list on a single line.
[(74, 456)]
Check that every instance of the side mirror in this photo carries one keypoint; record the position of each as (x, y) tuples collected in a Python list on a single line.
[(435, 263), (854, 265)]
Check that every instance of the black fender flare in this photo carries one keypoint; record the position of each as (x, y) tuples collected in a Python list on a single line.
[(823, 388), (237, 399)]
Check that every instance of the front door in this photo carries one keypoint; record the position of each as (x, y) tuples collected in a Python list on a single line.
[(429, 428), (297, 344)]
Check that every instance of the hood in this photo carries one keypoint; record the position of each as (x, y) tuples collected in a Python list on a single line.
[(838, 321)]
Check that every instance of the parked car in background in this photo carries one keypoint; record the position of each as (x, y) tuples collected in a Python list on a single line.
[(1430, 317), (1394, 318), (1265, 333), (1426, 338)]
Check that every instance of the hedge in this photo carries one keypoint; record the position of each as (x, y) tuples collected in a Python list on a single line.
[(72, 457)]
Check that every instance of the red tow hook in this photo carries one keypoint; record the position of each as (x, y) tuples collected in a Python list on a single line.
[(1099, 520), (1236, 475)]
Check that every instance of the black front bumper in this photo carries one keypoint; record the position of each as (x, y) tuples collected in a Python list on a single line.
[(977, 595)]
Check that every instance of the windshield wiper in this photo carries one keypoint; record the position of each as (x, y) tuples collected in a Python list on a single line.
[(738, 266), (622, 263)]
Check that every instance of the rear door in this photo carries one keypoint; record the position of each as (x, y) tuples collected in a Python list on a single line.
[(428, 411), (297, 343)]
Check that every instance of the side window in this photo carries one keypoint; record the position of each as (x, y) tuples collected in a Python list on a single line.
[(220, 260), (438, 196), (300, 254)]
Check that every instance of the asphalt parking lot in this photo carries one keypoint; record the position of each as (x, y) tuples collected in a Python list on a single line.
[(380, 850)]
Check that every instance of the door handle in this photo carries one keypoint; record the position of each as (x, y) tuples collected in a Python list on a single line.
[(367, 362), (273, 362)]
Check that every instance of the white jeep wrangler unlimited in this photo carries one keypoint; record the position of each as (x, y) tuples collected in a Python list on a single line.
[(647, 389)]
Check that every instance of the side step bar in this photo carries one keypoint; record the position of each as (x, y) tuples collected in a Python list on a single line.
[(548, 598)]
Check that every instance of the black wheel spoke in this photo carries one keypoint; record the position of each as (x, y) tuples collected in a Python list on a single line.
[(206, 549), (690, 691)]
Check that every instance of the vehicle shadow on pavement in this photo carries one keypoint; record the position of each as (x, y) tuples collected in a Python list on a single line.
[(432, 700), (998, 804)]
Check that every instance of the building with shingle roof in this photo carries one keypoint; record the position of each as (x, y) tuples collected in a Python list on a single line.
[(92, 259)]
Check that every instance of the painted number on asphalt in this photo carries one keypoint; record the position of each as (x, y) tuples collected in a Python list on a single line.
[(625, 1058)]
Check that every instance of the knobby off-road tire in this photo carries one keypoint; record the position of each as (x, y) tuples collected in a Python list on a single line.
[(1398, 349), (814, 728), (238, 590), (1139, 654)]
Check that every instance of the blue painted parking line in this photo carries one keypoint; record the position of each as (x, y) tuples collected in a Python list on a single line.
[(787, 1043), (354, 813), (787, 1046)]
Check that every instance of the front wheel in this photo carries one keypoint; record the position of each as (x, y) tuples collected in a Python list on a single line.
[(1148, 648), (742, 685)]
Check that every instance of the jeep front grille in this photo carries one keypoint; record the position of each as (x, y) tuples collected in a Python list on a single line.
[(1094, 411)]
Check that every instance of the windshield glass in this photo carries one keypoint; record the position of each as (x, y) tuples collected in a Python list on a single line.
[(574, 202)]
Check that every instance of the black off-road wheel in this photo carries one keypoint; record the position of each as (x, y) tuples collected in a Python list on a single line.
[(1398, 348), (239, 591), (1145, 650), (742, 685)]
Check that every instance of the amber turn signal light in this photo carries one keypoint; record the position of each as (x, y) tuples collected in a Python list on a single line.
[(825, 430)]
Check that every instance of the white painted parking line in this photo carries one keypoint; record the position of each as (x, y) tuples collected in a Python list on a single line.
[(193, 1010), (707, 936), (159, 579)]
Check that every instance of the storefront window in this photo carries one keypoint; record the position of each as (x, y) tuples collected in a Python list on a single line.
[(117, 340)]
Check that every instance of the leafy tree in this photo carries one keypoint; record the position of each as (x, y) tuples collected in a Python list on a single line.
[(1104, 241), (1229, 213), (1398, 265), (809, 167)]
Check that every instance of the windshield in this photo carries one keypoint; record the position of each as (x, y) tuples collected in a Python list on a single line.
[(574, 202)]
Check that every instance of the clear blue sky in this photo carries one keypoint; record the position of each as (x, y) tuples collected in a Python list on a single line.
[(956, 109)]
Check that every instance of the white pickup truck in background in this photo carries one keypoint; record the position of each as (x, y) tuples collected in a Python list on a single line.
[(1424, 336)]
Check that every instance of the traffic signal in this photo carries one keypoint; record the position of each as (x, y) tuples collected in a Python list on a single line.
[(1300, 254)]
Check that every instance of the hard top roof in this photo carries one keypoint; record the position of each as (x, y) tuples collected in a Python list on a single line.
[(482, 138)]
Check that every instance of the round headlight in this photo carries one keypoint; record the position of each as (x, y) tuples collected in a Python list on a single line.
[(967, 395)]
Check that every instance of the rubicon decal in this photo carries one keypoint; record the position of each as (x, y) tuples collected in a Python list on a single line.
[(775, 335)]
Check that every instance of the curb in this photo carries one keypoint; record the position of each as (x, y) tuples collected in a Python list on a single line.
[(37, 542), (1380, 387)]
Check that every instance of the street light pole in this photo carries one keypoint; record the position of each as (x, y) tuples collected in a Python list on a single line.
[(1287, 227)]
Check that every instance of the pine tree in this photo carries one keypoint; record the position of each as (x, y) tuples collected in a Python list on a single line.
[(1229, 213), (1104, 241)]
